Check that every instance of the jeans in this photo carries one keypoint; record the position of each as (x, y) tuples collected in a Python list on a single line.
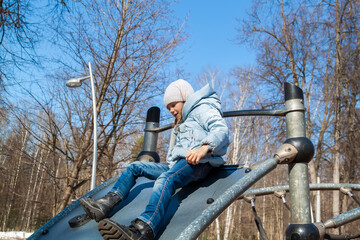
[(167, 181)]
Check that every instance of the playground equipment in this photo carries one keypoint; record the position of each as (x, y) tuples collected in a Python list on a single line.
[(226, 185)]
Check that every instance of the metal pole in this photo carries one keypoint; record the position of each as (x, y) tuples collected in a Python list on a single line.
[(298, 172), (343, 218), (318, 203), (254, 112), (93, 172), (152, 121), (196, 227), (313, 187), (149, 154)]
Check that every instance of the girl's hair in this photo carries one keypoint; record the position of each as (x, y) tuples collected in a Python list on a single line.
[(176, 123)]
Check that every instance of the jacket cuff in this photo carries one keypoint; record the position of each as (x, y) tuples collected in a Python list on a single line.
[(210, 146)]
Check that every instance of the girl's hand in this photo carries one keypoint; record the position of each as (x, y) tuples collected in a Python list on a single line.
[(196, 154)]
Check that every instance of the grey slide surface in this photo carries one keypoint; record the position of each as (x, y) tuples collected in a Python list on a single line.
[(186, 205)]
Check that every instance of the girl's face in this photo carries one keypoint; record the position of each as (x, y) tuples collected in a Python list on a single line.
[(175, 109)]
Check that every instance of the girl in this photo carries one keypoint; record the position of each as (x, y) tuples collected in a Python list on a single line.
[(201, 140)]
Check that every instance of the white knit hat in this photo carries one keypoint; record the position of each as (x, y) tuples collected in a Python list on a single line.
[(177, 91)]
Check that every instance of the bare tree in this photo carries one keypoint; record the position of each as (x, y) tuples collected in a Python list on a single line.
[(128, 56), (308, 44), (297, 46), (129, 43), (346, 26), (16, 37)]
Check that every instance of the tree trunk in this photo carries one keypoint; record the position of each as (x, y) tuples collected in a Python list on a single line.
[(338, 70), (228, 221), (37, 191), (289, 46), (218, 232), (13, 183), (29, 194)]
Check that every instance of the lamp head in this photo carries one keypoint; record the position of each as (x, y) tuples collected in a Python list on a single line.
[(75, 82)]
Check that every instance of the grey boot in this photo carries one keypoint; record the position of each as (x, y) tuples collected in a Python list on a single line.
[(100, 208), (138, 230)]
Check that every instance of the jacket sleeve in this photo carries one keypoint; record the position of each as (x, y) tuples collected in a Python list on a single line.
[(210, 119)]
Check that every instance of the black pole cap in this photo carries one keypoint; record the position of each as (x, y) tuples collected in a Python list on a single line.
[(305, 149), (153, 114), (292, 92), (148, 156), (302, 232)]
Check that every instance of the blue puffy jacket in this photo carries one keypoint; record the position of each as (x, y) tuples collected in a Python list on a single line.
[(202, 124)]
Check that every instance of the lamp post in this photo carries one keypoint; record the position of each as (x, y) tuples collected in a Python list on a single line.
[(76, 82)]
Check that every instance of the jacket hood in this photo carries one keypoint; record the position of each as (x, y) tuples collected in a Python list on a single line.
[(206, 95)]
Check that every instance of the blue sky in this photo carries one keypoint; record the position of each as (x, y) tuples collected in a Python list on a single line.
[(211, 27)]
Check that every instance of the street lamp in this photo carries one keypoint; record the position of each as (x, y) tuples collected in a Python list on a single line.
[(76, 82)]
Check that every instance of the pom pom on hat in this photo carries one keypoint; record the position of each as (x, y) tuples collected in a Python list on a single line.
[(177, 91)]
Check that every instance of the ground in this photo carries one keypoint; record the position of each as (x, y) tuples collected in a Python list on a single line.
[(14, 235)]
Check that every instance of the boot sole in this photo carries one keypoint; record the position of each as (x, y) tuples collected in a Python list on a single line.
[(110, 230), (92, 212)]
